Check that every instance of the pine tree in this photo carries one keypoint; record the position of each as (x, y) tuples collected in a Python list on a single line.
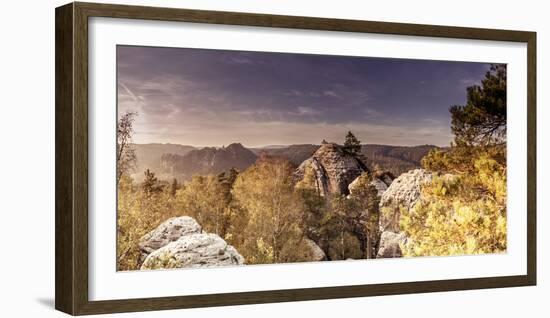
[(232, 176), (352, 145), (482, 120), (174, 187), (151, 184)]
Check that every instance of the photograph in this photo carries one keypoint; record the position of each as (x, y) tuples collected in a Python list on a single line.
[(239, 158)]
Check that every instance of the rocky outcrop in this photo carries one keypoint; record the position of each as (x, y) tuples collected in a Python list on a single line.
[(403, 192), (194, 250), (380, 186), (334, 169), (380, 183), (180, 242), (316, 253), (169, 231), (390, 244)]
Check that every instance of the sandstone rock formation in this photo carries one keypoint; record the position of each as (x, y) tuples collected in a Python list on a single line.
[(404, 192), (334, 169), (194, 250), (381, 183), (169, 231), (317, 253), (390, 244)]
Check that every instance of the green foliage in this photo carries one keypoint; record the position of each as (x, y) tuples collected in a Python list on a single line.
[(138, 213), (151, 184), (460, 159), (265, 194), (352, 145), (482, 120), (206, 199), (315, 207), (463, 209), (460, 214), (366, 226)]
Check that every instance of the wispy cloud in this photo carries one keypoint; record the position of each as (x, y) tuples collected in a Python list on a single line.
[(128, 91), (331, 94), (212, 97), (470, 81)]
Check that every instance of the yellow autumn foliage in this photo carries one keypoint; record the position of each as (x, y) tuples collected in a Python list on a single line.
[(460, 213)]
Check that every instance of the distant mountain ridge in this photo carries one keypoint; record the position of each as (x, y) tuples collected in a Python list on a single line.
[(209, 160), (149, 155), (294, 153), (182, 162)]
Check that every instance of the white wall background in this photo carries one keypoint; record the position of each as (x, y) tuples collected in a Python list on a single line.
[(27, 158)]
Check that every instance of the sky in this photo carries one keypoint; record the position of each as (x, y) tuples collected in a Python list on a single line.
[(202, 97)]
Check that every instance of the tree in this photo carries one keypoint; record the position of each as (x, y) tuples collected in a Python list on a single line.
[(206, 199), (365, 224), (125, 155), (315, 220), (151, 184), (352, 145), (482, 120), (463, 209), (265, 193), (342, 211), (138, 213), (174, 187)]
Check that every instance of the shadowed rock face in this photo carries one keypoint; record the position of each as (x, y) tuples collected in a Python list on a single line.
[(334, 169)]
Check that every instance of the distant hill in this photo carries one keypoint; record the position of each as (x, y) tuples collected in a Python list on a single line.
[(148, 155), (294, 153), (396, 159), (182, 162), (207, 160)]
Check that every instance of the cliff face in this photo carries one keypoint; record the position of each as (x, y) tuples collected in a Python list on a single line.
[(334, 169)]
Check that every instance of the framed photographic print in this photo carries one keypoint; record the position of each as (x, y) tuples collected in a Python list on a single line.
[(219, 158)]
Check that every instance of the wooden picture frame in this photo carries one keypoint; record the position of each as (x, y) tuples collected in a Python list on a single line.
[(71, 122)]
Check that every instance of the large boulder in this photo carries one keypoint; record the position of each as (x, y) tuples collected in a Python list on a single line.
[(404, 192), (334, 169), (194, 250), (390, 244), (169, 231)]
